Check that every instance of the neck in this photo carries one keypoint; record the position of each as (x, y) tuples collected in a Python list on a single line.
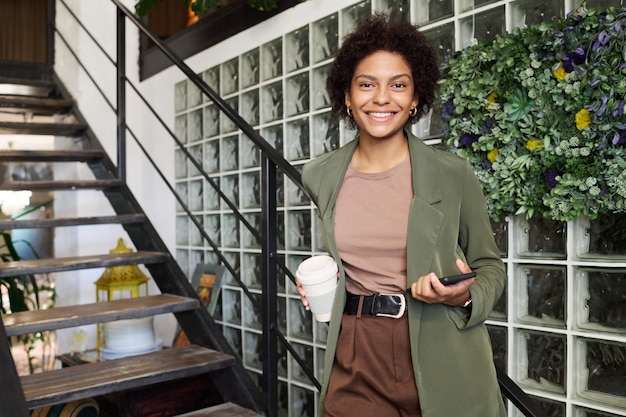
[(375, 155)]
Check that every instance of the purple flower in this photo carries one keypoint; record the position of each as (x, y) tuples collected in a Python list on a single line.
[(602, 108), (468, 138), (603, 39), (620, 137), (619, 110), (579, 55), (489, 124), (447, 110), (568, 64), (551, 175), (486, 165), (574, 58)]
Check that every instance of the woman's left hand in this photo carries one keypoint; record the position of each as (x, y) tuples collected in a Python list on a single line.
[(430, 290)]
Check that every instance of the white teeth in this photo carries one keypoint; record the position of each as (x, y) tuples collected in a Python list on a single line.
[(375, 114)]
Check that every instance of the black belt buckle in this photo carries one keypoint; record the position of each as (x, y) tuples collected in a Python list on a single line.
[(402, 309)]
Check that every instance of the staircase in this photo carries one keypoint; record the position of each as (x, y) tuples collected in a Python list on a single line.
[(36, 107)]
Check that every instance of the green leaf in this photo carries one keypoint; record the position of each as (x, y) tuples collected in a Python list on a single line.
[(143, 7), (201, 6), (519, 105), (17, 298), (8, 242), (263, 5)]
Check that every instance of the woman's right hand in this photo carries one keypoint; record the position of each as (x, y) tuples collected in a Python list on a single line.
[(430, 290), (302, 293)]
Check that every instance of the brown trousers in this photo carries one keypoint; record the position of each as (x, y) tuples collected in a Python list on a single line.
[(372, 375)]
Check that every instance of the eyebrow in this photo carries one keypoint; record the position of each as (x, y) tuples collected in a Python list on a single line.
[(371, 77)]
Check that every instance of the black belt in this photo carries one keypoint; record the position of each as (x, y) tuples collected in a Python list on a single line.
[(381, 305)]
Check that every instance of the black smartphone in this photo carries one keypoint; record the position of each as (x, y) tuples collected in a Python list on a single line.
[(453, 279)]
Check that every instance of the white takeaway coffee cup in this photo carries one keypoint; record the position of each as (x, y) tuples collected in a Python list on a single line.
[(318, 276)]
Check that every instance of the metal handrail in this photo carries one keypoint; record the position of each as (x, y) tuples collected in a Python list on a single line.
[(235, 117)]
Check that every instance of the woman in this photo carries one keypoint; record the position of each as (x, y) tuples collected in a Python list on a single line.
[(398, 214)]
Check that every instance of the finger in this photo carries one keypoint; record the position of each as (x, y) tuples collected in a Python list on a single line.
[(437, 285), (304, 301), (302, 293), (422, 289), (463, 267)]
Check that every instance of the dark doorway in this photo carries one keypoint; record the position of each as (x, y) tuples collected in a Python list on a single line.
[(23, 31), (23, 39)]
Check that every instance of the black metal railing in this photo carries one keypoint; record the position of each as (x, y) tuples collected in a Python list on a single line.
[(272, 165)]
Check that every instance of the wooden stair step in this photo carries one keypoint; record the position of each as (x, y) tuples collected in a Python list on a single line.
[(77, 315), (51, 129), (35, 105), (222, 410), (27, 81), (27, 87), (105, 377), (78, 155), (60, 185), (47, 265), (71, 221)]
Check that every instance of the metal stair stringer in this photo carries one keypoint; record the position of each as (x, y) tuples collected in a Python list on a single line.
[(199, 326), (11, 395)]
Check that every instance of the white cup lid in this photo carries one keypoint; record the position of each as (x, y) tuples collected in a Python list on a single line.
[(319, 266)]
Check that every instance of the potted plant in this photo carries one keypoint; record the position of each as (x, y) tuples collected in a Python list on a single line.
[(24, 293)]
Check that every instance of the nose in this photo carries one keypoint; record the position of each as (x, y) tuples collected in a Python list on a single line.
[(382, 95)]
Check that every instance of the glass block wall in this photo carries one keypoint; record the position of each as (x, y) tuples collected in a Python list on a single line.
[(560, 329)]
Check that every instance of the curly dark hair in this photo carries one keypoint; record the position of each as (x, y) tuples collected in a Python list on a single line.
[(375, 33)]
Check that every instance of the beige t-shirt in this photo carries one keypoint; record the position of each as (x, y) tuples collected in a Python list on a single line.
[(371, 222)]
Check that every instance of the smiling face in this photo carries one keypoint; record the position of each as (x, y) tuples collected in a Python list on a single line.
[(381, 95)]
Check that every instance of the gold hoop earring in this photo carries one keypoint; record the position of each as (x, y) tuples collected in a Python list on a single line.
[(349, 111), (413, 112)]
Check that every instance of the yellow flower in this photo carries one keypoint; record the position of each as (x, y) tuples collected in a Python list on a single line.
[(558, 71), (533, 144), (491, 98), (582, 119), (492, 155)]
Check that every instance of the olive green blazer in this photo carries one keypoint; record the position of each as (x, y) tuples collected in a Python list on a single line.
[(451, 350)]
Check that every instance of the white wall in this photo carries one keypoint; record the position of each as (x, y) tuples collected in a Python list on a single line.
[(100, 18)]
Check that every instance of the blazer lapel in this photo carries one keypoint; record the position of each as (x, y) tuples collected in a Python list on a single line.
[(333, 170), (426, 171), (424, 219)]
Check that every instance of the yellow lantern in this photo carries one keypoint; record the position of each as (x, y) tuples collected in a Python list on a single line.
[(120, 282)]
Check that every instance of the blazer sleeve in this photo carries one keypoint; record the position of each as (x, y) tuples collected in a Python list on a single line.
[(482, 254)]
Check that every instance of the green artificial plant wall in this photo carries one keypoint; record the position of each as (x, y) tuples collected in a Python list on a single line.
[(540, 115)]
